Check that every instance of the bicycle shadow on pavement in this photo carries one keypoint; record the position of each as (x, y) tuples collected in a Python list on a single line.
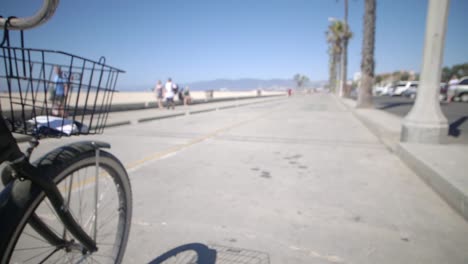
[(210, 254), (454, 129), (188, 253)]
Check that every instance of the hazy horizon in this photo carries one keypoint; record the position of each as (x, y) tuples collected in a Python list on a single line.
[(240, 84)]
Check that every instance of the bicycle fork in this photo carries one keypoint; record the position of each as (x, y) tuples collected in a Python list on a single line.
[(27, 171)]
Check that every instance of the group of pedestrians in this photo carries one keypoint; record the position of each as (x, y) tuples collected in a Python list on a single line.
[(169, 91)]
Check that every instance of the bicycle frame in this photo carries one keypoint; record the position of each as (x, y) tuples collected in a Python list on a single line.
[(45, 13)]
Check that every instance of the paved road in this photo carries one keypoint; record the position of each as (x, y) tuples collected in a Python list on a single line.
[(456, 113), (299, 180)]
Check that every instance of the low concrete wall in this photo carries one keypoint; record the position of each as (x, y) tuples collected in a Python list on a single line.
[(127, 101)]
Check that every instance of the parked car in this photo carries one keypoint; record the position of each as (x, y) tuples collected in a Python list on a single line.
[(412, 92), (401, 87), (461, 90), (383, 90), (394, 87)]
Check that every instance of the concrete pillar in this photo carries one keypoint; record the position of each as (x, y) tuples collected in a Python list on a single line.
[(426, 123)]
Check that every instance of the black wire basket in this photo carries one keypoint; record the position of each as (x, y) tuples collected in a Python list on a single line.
[(45, 93)]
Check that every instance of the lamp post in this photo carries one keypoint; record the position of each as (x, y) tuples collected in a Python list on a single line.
[(426, 123)]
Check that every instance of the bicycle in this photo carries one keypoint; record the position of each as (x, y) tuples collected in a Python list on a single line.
[(73, 204)]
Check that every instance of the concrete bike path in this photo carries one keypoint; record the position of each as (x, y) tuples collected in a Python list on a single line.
[(300, 180), (303, 182)]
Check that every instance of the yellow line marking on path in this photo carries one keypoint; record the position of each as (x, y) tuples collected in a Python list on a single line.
[(154, 156), (166, 152), (159, 155), (172, 150)]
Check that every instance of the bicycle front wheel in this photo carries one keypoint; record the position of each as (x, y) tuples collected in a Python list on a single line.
[(100, 200)]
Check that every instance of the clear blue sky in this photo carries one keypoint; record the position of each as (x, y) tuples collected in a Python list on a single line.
[(193, 40)]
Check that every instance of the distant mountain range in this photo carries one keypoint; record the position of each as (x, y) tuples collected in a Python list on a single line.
[(241, 84), (248, 84), (237, 85)]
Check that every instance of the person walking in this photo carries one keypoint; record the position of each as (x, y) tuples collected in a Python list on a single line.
[(159, 94), (452, 87), (169, 94), (60, 93), (187, 98), (180, 93)]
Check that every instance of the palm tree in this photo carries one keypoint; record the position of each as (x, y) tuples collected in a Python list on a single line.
[(300, 80), (334, 39), (367, 63)]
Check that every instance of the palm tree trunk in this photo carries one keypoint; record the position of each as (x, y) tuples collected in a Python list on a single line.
[(333, 72), (344, 68), (344, 60), (367, 63), (338, 73)]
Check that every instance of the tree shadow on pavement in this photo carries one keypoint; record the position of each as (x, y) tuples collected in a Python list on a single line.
[(454, 130), (393, 105)]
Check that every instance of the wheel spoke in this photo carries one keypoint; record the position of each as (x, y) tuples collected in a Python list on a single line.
[(49, 225), (35, 248), (96, 194), (80, 200), (41, 254), (36, 237), (107, 220), (70, 184)]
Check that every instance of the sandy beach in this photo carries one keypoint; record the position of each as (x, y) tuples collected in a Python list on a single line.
[(122, 98), (138, 97)]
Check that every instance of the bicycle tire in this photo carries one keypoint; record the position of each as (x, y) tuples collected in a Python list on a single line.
[(63, 168)]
